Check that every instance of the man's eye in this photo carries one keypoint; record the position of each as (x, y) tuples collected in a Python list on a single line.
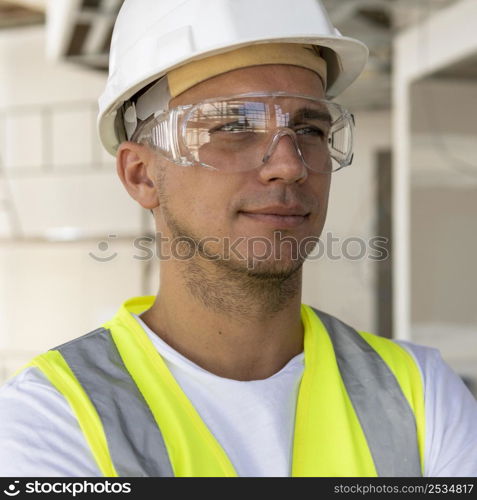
[(237, 126), (310, 131)]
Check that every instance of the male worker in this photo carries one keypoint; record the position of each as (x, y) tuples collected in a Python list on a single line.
[(218, 112)]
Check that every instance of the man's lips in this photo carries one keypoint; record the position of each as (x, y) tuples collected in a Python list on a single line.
[(276, 220), (294, 210)]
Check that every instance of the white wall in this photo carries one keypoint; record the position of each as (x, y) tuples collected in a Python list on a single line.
[(444, 274), (28, 78), (443, 145), (443, 214), (52, 292), (436, 45), (443, 242), (58, 173)]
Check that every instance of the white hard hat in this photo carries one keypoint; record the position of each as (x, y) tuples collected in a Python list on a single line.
[(152, 37)]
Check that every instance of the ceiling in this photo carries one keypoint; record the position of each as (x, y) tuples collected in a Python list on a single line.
[(14, 14), (80, 31), (376, 22)]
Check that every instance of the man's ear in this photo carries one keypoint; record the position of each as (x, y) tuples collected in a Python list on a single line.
[(135, 164)]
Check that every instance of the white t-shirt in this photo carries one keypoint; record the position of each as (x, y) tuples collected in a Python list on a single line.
[(253, 421)]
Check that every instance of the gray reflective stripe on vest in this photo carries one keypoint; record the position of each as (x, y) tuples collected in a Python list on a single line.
[(136, 444), (384, 413), (134, 439)]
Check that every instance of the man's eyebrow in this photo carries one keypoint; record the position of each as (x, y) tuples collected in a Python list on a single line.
[(313, 114)]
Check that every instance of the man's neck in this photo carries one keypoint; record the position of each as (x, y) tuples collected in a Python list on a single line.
[(237, 329)]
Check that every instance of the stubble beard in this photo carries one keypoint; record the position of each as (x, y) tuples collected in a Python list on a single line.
[(231, 286)]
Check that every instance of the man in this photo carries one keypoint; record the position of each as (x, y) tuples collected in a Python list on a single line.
[(222, 127)]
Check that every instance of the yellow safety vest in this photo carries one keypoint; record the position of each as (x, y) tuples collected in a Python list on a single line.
[(360, 407)]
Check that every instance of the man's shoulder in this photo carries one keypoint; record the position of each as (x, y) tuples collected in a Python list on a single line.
[(28, 399), (421, 353), (25, 380), (30, 378), (410, 363), (40, 435)]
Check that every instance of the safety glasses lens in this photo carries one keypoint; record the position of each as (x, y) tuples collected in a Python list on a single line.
[(237, 134)]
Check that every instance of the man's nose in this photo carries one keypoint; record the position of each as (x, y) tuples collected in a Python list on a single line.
[(283, 159)]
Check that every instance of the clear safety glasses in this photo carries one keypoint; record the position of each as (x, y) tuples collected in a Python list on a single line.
[(242, 132)]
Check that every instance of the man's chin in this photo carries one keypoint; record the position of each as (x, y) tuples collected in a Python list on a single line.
[(278, 270)]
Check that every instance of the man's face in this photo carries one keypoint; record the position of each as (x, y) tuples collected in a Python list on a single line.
[(199, 203)]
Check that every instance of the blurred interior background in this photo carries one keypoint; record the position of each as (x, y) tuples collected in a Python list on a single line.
[(68, 227)]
